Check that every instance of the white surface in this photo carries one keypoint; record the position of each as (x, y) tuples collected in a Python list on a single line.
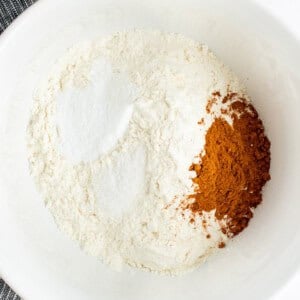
[(36, 259), (287, 12)]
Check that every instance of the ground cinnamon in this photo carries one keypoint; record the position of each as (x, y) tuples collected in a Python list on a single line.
[(232, 172)]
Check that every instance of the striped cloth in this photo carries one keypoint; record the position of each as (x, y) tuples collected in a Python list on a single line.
[(9, 10), (6, 293)]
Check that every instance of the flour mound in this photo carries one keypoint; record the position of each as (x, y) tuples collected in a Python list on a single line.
[(111, 137)]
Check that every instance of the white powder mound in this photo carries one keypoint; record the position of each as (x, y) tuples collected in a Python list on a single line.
[(112, 134), (93, 119)]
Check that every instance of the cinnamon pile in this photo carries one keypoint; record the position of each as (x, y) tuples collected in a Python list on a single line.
[(235, 167)]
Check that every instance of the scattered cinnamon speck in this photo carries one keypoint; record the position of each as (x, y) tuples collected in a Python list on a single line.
[(221, 245), (201, 122)]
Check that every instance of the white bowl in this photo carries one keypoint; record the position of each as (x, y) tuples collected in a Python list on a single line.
[(40, 262)]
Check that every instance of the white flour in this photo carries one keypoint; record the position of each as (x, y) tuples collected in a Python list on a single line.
[(111, 138)]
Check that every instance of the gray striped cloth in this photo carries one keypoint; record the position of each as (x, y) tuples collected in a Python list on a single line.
[(9, 10)]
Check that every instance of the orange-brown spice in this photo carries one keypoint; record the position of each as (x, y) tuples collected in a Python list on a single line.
[(221, 245), (201, 122), (235, 167), (210, 104)]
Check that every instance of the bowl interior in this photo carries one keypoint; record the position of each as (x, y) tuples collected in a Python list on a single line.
[(37, 258)]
